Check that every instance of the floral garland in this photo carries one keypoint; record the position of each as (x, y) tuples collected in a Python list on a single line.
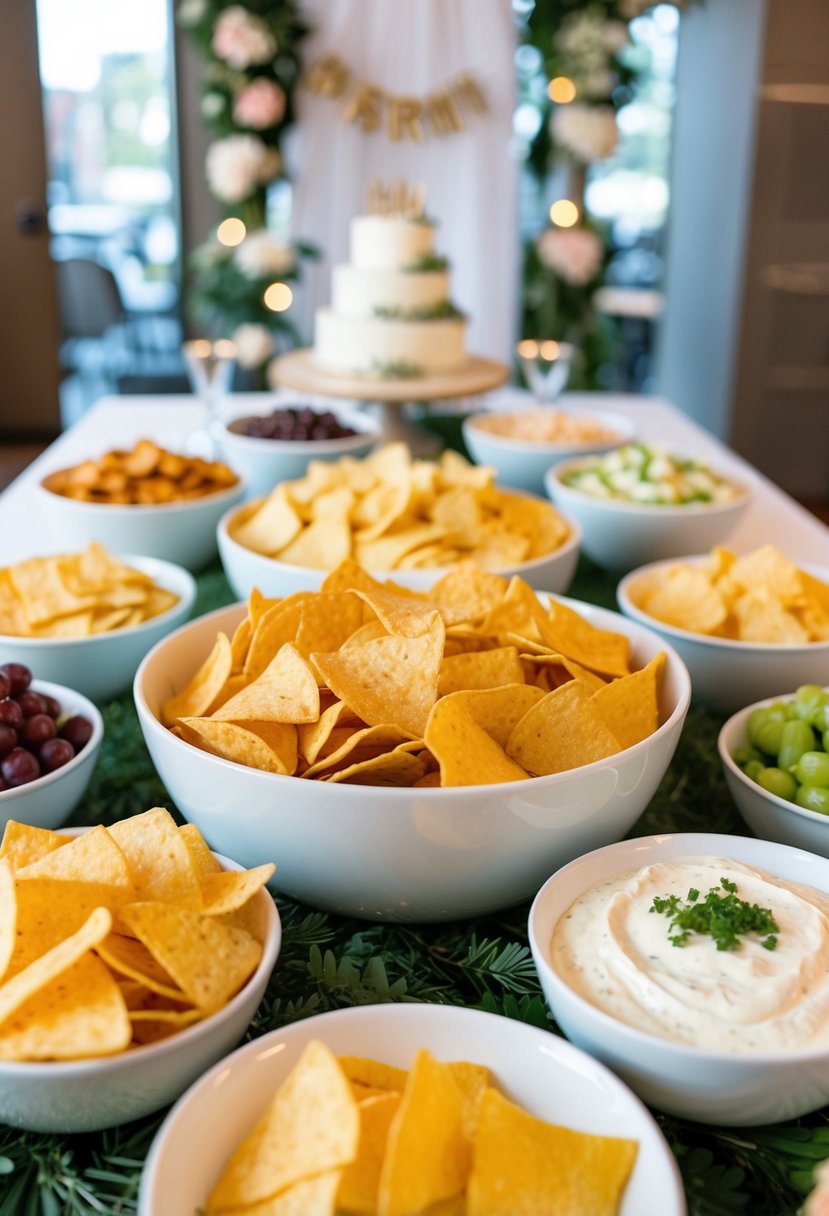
[(240, 276)]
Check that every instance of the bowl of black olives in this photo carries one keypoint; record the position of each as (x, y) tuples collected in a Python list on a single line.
[(277, 443), (50, 737)]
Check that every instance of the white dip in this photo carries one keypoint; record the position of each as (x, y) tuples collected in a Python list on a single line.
[(617, 954)]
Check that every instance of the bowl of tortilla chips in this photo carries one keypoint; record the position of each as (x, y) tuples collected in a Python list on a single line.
[(139, 958), (86, 619), (373, 1103), (748, 626), (407, 518), (143, 500), (412, 756)]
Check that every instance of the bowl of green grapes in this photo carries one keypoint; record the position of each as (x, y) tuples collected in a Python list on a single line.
[(775, 755)]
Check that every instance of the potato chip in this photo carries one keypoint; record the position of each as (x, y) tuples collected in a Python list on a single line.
[(560, 732), (687, 599), (762, 617), (427, 1153), (197, 698), (552, 1169), (208, 961), (311, 1126)]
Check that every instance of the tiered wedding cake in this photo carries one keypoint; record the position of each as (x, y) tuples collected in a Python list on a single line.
[(391, 315)]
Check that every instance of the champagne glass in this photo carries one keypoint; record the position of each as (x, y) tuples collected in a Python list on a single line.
[(210, 367), (546, 366)]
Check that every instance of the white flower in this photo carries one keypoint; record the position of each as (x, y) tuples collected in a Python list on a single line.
[(588, 133), (212, 105), (261, 255), (614, 36), (254, 344), (191, 12), (241, 38), (238, 164), (574, 254)]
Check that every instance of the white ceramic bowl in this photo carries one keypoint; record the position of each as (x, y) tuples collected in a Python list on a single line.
[(181, 532), (538, 1070), (769, 817), (621, 535), (103, 665), (727, 674), (49, 801), (707, 1086), (264, 462), (245, 569), (88, 1095), (404, 854), (523, 462)]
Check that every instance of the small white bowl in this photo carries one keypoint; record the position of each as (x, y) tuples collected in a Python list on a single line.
[(707, 1086), (246, 569), (102, 666), (523, 462), (620, 535), (727, 674), (180, 532), (407, 854), (538, 1070), (49, 801), (88, 1095), (768, 816), (264, 462)]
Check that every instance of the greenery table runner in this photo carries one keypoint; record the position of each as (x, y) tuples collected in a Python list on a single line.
[(329, 962)]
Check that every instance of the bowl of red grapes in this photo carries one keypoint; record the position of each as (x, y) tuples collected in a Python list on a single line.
[(276, 443), (49, 741)]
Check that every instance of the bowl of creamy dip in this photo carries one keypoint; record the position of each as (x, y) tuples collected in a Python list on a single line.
[(730, 1024)]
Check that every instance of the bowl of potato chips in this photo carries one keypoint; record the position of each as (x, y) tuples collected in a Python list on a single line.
[(145, 500), (85, 620), (748, 626), (397, 517), (132, 959), (640, 503), (372, 1109), (411, 755)]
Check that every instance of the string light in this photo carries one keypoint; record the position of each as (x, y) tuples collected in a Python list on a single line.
[(564, 213), (561, 89), (231, 232), (278, 297)]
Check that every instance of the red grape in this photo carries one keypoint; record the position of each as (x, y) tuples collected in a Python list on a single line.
[(5, 686), (55, 753), (8, 738), (10, 713), (37, 730), (78, 730), (18, 675), (31, 703), (20, 767), (53, 706)]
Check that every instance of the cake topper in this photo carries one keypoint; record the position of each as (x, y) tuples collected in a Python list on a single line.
[(396, 198)]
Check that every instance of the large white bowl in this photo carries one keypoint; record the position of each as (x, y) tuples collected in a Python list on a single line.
[(539, 1071), (88, 1095), (522, 462), (49, 801), (245, 569), (180, 532), (404, 854), (264, 462), (621, 535), (768, 816), (103, 665), (707, 1086), (727, 674)]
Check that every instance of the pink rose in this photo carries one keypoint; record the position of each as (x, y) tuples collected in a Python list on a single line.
[(574, 254), (241, 38), (259, 104)]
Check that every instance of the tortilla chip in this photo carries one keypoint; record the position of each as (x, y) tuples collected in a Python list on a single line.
[(629, 707), (560, 732), (286, 691), (197, 698), (466, 753), (159, 862)]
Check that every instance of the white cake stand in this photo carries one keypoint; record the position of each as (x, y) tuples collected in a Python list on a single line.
[(387, 398)]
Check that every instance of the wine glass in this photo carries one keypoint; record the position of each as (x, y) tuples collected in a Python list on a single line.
[(210, 367), (546, 366)]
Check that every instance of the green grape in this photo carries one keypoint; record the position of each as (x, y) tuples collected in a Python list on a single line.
[(770, 736), (813, 798), (812, 769), (809, 701), (742, 755), (825, 740), (797, 738), (777, 782), (758, 719), (753, 768)]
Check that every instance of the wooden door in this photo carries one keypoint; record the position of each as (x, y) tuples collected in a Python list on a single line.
[(29, 328)]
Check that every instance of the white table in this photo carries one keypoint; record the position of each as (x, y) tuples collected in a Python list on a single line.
[(772, 517)]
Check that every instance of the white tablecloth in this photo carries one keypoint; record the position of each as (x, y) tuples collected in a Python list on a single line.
[(118, 421)]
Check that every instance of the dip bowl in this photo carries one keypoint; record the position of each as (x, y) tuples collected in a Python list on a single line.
[(718, 1087)]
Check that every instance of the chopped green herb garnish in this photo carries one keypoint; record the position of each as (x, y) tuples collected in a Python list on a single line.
[(724, 917)]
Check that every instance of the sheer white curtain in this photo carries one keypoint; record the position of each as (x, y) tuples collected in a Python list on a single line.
[(414, 47)]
